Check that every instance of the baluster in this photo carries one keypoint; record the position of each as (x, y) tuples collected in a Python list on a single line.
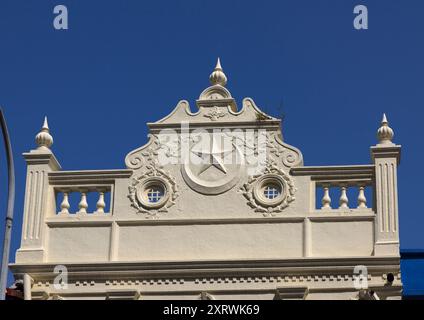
[(83, 205), (343, 199), (326, 200), (101, 203), (65, 204), (362, 200)]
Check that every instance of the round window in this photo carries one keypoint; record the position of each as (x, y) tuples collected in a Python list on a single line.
[(153, 193), (270, 190)]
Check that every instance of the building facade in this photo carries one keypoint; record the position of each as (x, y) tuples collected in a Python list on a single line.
[(216, 205)]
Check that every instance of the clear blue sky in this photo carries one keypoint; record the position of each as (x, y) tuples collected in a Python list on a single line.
[(124, 63)]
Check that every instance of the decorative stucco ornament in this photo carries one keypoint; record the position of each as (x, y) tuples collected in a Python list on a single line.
[(273, 175), (213, 169), (288, 155), (153, 176), (215, 114)]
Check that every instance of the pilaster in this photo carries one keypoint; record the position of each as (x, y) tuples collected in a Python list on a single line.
[(39, 198), (386, 157)]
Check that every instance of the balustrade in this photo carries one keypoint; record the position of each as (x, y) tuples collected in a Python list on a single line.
[(361, 200), (83, 202), (85, 193), (342, 182)]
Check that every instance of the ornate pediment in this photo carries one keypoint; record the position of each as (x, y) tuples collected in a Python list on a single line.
[(213, 151), (215, 104)]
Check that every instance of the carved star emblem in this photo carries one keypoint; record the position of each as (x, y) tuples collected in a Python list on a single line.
[(213, 157)]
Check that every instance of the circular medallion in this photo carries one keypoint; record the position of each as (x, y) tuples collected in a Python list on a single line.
[(212, 170)]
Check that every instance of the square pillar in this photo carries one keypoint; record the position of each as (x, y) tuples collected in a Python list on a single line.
[(386, 157)]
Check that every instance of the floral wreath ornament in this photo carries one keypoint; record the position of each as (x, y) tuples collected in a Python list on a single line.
[(276, 176), (155, 175)]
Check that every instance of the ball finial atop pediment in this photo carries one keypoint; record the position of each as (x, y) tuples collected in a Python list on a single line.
[(217, 90), (218, 76)]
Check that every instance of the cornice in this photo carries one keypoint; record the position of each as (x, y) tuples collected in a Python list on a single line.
[(298, 266), (87, 177), (384, 151), (258, 124), (36, 157), (350, 172), (331, 215)]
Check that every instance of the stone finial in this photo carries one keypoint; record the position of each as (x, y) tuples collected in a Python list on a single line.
[(43, 139), (218, 76), (385, 133)]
